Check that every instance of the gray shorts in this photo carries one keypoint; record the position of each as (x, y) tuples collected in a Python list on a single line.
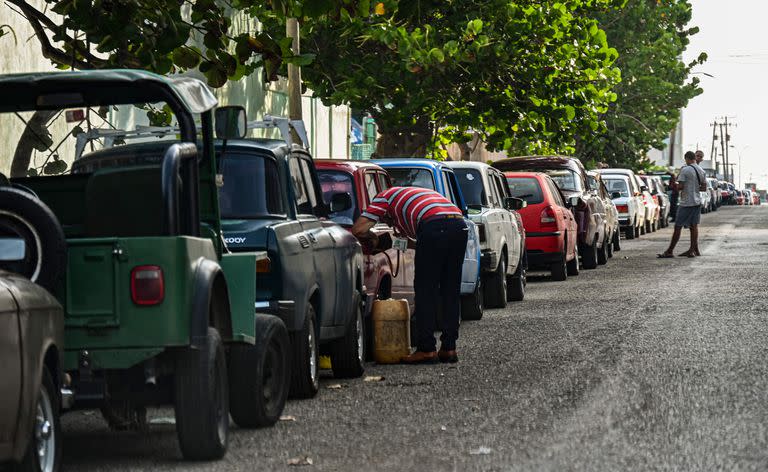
[(687, 216)]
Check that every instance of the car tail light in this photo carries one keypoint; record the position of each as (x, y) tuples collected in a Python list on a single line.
[(147, 285), (548, 217), (622, 208), (264, 266), (481, 232)]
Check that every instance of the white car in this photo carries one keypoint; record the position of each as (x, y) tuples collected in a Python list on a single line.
[(502, 243), (625, 193)]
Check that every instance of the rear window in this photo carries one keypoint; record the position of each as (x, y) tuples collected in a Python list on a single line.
[(471, 183), (405, 177), (332, 182), (617, 185), (525, 188), (251, 187)]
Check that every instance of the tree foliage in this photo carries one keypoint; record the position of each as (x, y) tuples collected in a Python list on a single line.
[(650, 36)]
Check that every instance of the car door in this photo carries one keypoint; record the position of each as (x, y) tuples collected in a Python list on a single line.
[(10, 359), (561, 211), (509, 227), (470, 272)]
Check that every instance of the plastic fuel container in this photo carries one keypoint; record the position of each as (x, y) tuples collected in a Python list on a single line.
[(391, 330)]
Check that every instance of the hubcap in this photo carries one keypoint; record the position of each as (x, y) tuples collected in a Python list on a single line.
[(360, 337), (271, 388), (45, 437), (312, 352), (222, 412)]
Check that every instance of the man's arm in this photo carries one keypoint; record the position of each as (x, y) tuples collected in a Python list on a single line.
[(362, 229)]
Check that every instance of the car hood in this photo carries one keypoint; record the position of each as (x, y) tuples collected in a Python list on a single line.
[(246, 234)]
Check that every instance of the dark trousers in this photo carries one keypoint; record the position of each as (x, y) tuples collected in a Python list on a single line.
[(440, 247)]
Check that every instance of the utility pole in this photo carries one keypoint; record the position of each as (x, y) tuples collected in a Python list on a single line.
[(713, 149), (722, 150), (727, 142)]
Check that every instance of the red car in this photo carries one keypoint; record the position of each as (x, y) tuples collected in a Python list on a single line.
[(387, 274), (550, 228)]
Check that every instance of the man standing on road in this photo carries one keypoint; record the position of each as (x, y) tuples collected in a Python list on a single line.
[(689, 183), (438, 227), (699, 157)]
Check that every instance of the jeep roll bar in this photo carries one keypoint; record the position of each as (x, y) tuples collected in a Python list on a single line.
[(175, 157)]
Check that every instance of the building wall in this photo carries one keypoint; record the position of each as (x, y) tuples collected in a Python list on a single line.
[(661, 157)]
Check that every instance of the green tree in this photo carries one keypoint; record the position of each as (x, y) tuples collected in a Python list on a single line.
[(650, 36), (529, 76)]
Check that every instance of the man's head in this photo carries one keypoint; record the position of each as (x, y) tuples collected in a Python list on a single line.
[(690, 157), (699, 156)]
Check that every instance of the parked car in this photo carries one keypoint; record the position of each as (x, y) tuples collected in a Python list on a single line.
[(31, 351), (157, 310), (747, 197), (652, 207), (656, 187), (739, 197), (437, 176), (389, 273), (714, 194), (726, 193), (624, 189), (570, 176), (502, 236), (550, 227), (612, 229)]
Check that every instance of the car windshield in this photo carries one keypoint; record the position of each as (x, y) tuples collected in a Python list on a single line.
[(525, 188), (332, 182), (471, 183), (617, 185), (565, 179), (405, 177), (250, 187)]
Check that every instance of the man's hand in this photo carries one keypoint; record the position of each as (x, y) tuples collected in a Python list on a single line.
[(362, 230)]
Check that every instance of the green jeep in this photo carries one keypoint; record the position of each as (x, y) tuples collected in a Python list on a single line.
[(157, 310)]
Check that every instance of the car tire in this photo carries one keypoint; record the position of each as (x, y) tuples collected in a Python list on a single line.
[(26, 216), (640, 230), (305, 380), (589, 256), (629, 233), (348, 353), (559, 270), (46, 419), (602, 253), (495, 285), (617, 241), (259, 375), (609, 247), (573, 266), (202, 400), (472, 304), (517, 282)]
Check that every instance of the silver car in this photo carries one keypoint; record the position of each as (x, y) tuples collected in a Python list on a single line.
[(625, 193)]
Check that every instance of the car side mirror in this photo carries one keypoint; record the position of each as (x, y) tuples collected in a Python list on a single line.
[(643, 188), (12, 249), (514, 204), (615, 195), (341, 201), (231, 122)]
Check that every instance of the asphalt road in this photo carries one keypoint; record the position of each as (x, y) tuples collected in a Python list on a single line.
[(641, 364)]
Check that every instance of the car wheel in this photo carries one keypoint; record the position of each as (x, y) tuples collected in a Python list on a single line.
[(304, 346), (517, 281), (495, 285), (202, 400), (559, 270), (589, 256), (640, 230), (259, 375), (629, 233), (348, 353), (43, 452), (472, 304), (24, 216), (602, 253), (573, 265), (617, 241), (609, 246)]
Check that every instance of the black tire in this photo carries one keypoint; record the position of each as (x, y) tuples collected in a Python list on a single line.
[(495, 285), (617, 241), (124, 415), (517, 282), (609, 246), (348, 353), (259, 375), (305, 380), (589, 256), (629, 233), (602, 253), (23, 215), (46, 409), (573, 265), (472, 305), (640, 230), (559, 270), (202, 400)]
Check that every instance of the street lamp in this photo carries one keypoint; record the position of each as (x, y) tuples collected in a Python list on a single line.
[(738, 152)]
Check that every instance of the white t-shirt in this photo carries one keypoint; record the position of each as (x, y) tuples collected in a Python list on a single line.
[(690, 196)]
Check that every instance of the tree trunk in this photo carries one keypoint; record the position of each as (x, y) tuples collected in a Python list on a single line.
[(34, 137), (404, 142)]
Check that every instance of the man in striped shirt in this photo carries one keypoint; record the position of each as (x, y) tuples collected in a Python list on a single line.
[(438, 227)]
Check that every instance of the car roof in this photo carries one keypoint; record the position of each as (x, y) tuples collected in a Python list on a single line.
[(533, 162), (616, 171), (421, 162), (467, 165), (345, 164), (516, 174)]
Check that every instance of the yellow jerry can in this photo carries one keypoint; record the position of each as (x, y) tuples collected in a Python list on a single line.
[(391, 330)]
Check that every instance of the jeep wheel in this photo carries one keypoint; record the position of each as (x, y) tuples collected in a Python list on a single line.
[(24, 216), (259, 375), (472, 304), (589, 256), (495, 285), (304, 379), (347, 353), (202, 400), (44, 446), (517, 281), (559, 270)]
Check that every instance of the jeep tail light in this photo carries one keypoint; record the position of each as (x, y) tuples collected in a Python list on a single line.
[(264, 265), (481, 232), (548, 217), (622, 208), (147, 285)]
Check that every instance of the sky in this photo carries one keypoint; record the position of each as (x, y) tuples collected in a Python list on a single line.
[(733, 34)]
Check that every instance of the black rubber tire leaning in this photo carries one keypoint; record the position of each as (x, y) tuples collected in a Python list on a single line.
[(495, 285), (24, 215), (517, 282), (573, 266), (559, 270), (202, 400), (617, 241), (48, 399), (472, 304), (305, 380), (348, 353), (589, 256), (602, 253), (259, 375)]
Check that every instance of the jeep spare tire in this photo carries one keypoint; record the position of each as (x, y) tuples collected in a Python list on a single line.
[(42, 257)]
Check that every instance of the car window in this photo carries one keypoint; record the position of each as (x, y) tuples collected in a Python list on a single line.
[(592, 182), (526, 188), (303, 205), (446, 184), (501, 185), (555, 192), (565, 179), (617, 185), (332, 182), (405, 177), (383, 181), (472, 188), (370, 186), (250, 187), (452, 190)]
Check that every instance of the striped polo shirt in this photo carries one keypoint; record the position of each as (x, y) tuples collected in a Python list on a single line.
[(408, 206)]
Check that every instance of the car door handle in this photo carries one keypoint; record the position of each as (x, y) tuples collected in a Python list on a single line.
[(312, 237)]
